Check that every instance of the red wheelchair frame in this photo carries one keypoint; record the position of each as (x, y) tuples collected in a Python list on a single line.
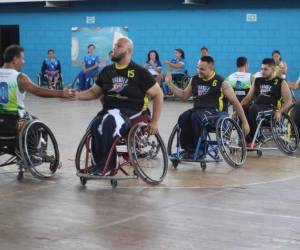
[(129, 157)]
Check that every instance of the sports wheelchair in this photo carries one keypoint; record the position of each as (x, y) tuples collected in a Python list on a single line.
[(180, 80), (144, 152), (283, 133), (43, 82), (30, 145), (219, 135), (89, 81)]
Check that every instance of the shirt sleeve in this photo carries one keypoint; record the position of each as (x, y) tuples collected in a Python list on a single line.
[(181, 61), (147, 81), (159, 64), (102, 76), (84, 61)]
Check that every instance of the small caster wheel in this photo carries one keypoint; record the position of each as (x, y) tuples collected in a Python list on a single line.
[(175, 164), (83, 181), (259, 153), (135, 173), (20, 176), (203, 165), (114, 183), (53, 167)]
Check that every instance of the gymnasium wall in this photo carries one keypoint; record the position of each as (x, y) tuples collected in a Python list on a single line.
[(165, 25)]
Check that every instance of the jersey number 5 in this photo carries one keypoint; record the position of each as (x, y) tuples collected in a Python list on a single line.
[(130, 73)]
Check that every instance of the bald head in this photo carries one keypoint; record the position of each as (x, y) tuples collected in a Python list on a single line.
[(126, 42), (122, 50)]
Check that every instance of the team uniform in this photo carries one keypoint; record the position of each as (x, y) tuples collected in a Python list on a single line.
[(51, 68), (241, 83), (208, 100), (11, 97), (150, 68), (124, 97), (85, 79)]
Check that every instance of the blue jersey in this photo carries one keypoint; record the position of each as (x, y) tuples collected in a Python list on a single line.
[(150, 68), (90, 60), (51, 64), (181, 70)]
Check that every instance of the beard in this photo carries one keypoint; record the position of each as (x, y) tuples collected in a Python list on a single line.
[(118, 58)]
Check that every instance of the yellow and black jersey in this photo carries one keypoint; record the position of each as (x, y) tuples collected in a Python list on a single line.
[(267, 91), (125, 87), (207, 94)]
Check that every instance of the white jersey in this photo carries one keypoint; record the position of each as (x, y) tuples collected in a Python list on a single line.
[(11, 98), (240, 82)]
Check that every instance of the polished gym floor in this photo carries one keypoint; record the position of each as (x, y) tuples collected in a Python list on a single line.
[(254, 207)]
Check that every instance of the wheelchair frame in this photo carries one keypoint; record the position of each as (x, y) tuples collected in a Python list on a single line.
[(76, 86), (212, 147), (129, 158), (17, 147), (42, 83), (267, 116)]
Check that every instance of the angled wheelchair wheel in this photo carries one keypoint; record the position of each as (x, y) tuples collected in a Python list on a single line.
[(39, 149), (76, 84), (83, 158), (147, 154), (173, 144), (231, 142), (285, 134)]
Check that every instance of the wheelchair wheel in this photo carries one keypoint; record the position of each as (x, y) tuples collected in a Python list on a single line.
[(76, 84), (285, 134), (39, 149), (172, 146), (147, 154), (203, 165), (83, 158), (114, 183), (231, 142), (83, 181)]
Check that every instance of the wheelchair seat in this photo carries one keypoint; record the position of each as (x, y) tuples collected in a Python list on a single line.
[(8, 129), (42, 81)]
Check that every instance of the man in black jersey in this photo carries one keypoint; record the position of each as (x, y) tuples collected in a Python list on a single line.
[(267, 93), (124, 88), (208, 90)]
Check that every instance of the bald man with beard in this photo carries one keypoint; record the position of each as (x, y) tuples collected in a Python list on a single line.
[(124, 88)]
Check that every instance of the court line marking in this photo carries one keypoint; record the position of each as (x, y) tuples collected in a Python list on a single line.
[(247, 212), (210, 187)]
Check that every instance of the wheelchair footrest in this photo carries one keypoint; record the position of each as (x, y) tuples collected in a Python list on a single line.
[(259, 148), (95, 177), (206, 161)]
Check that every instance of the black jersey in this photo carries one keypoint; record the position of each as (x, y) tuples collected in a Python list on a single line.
[(267, 91), (207, 94), (125, 87)]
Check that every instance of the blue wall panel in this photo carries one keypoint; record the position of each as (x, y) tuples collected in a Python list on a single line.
[(165, 25)]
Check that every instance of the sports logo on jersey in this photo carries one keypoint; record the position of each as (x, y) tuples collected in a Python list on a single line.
[(265, 89), (119, 83), (203, 90), (238, 84)]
